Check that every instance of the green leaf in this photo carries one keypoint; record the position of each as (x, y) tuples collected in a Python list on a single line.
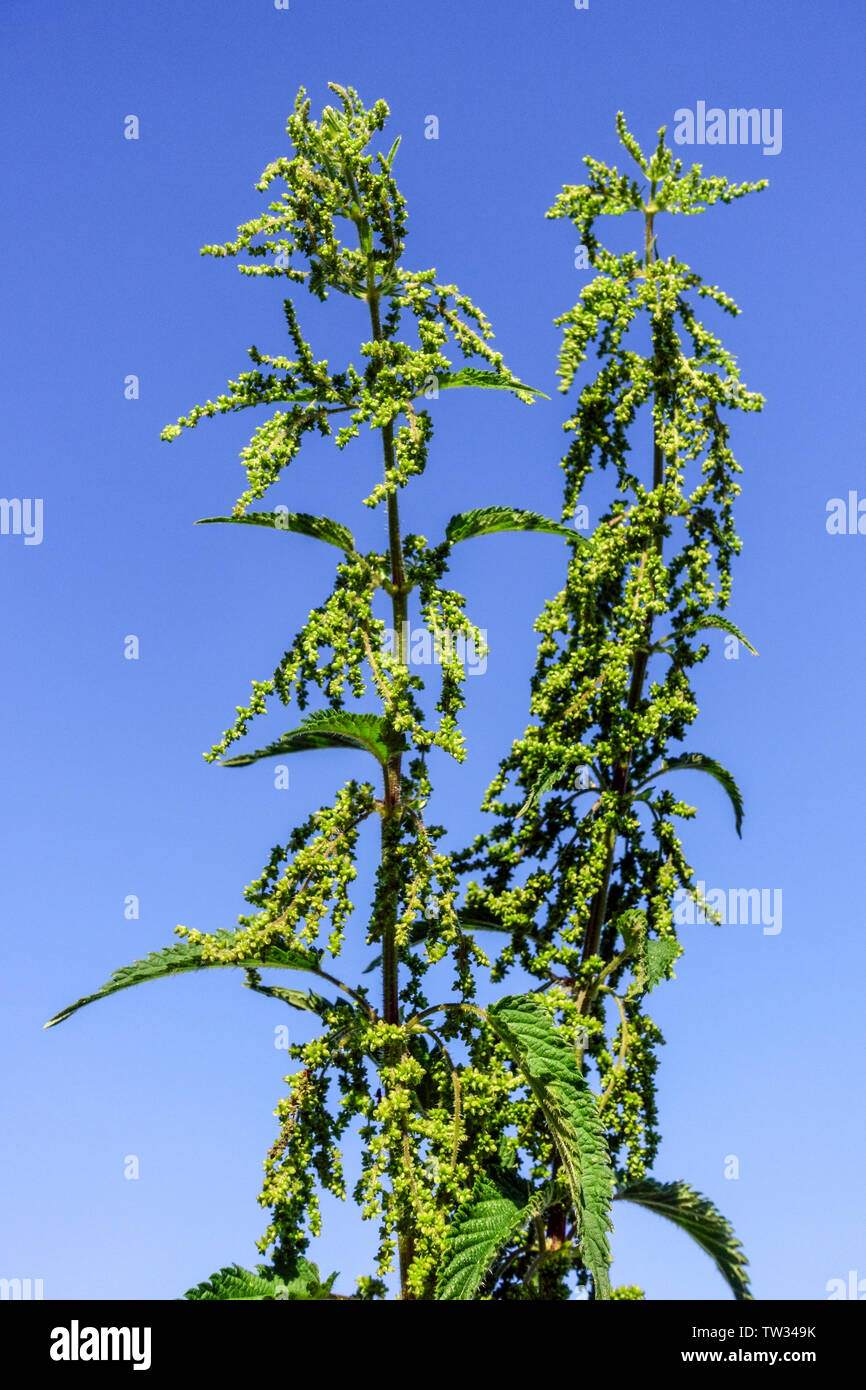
[(551, 1070), (496, 381), (715, 620), (553, 770), (632, 927), (330, 729), (238, 1284), (699, 762), (320, 528), (487, 521), (185, 957), (234, 1283), (483, 1226), (307, 1284), (652, 957), (697, 1216), (306, 1000), (660, 954)]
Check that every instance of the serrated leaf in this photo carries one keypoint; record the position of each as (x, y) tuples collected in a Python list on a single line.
[(235, 1283), (632, 926), (186, 957), (238, 1284), (660, 954), (305, 1000), (495, 381), (483, 1227), (715, 620), (651, 956), (307, 1284), (699, 1218), (553, 770), (319, 528), (488, 521), (699, 762), (551, 1070), (329, 729)]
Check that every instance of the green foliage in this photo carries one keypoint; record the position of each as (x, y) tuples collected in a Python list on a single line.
[(490, 1138), (697, 1216), (486, 521), (235, 1283), (482, 1228), (320, 528), (716, 620), (583, 859), (699, 762), (501, 380), (660, 956), (367, 733), (552, 1072), (652, 957), (183, 958)]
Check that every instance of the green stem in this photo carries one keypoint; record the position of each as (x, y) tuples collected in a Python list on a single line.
[(620, 781), (393, 770), (392, 809)]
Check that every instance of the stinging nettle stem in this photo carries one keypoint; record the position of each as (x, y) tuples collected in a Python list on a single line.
[(390, 836)]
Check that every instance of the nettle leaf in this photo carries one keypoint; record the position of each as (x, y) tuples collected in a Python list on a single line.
[(554, 770), (320, 528), (715, 620), (660, 955), (488, 521), (306, 1000), (308, 1283), (389, 157), (234, 1283), (238, 1284), (483, 1227), (652, 957), (495, 381), (699, 762), (632, 926), (330, 729), (551, 1070), (699, 1218), (186, 957)]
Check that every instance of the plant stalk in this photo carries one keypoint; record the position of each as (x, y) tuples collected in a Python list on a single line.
[(392, 810), (620, 781)]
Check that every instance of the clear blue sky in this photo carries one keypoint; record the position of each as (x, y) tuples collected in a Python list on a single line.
[(105, 792)]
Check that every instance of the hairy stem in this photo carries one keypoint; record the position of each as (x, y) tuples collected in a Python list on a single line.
[(390, 842), (620, 781)]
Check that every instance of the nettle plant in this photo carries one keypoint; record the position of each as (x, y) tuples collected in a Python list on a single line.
[(495, 1136), (582, 865)]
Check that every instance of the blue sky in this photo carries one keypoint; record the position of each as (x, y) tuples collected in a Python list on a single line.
[(105, 791)]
